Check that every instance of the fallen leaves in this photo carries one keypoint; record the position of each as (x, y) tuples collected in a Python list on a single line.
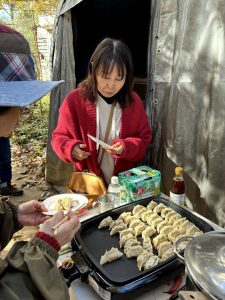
[(31, 168)]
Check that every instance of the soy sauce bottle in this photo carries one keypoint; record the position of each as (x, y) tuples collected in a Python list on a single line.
[(177, 192)]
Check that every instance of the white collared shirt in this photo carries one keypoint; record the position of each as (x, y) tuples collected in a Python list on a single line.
[(102, 117)]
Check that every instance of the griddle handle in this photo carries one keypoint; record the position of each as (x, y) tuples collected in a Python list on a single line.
[(70, 275), (81, 265)]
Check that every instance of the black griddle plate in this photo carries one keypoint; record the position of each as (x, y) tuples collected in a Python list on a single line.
[(93, 243)]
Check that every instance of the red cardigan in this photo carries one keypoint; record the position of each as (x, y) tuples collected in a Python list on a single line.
[(77, 118)]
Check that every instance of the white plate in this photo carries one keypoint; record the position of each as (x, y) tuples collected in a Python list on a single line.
[(101, 143), (78, 201)]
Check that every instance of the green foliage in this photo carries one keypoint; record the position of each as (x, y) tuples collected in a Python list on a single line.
[(23, 15), (33, 126)]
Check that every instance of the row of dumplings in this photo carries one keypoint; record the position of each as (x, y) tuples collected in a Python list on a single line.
[(162, 220), (132, 246), (164, 226)]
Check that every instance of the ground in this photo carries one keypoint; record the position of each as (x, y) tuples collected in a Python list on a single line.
[(28, 174)]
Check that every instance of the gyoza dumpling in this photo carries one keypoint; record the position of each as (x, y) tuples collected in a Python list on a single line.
[(181, 236), (151, 262), (197, 233), (125, 232), (185, 225), (158, 240), (156, 222), (169, 215), (105, 222), (192, 230), (139, 228), (166, 230), (151, 205), (135, 222), (137, 208), (165, 211), (133, 251), (142, 258), (125, 238), (178, 222), (173, 234), (110, 255), (146, 214), (147, 245), (58, 205), (182, 246), (118, 228), (174, 218), (158, 208), (125, 214), (141, 212), (148, 232), (115, 223), (167, 254), (161, 225), (67, 203), (128, 219), (163, 247), (152, 218), (130, 243)]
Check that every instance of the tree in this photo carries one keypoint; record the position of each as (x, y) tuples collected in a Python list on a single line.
[(23, 15)]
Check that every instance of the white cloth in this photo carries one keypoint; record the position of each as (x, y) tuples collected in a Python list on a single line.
[(102, 117)]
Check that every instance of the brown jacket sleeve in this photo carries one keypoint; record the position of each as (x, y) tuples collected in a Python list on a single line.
[(30, 272), (8, 222)]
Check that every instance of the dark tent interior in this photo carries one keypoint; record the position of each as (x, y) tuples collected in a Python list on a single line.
[(127, 20)]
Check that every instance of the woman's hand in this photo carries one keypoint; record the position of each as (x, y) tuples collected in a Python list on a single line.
[(78, 153), (116, 148), (66, 231), (30, 213)]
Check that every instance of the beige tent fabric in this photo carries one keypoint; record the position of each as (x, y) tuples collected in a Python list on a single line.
[(188, 101), (63, 66)]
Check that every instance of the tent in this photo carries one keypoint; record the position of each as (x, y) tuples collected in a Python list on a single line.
[(178, 51)]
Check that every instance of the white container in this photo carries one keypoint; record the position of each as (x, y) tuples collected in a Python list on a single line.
[(114, 189)]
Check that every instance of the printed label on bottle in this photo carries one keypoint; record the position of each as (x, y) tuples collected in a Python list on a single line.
[(177, 198)]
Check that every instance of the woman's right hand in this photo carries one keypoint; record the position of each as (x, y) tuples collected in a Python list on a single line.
[(66, 231), (78, 153)]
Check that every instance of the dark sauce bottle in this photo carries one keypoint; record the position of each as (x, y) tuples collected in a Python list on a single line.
[(177, 192)]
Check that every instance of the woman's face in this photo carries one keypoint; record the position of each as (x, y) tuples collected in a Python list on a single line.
[(110, 84), (8, 121)]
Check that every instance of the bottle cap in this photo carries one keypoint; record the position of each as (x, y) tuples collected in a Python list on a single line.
[(114, 180), (179, 170)]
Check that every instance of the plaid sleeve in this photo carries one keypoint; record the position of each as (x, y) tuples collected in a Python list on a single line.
[(16, 67)]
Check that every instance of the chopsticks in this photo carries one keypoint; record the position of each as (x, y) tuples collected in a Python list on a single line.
[(55, 227)]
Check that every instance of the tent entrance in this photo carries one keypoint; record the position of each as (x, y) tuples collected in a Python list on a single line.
[(129, 21)]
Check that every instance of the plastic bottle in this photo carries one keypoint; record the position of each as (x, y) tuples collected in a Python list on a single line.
[(114, 189), (177, 192)]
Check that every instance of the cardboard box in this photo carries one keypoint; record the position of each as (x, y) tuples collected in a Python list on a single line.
[(139, 183)]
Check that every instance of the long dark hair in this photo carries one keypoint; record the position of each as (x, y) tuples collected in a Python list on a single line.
[(109, 53)]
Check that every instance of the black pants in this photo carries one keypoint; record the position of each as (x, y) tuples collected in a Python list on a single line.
[(5, 162)]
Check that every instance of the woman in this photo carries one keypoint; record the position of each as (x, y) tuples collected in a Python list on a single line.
[(86, 110)]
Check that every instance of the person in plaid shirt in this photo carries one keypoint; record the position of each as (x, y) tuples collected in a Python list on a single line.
[(16, 64)]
